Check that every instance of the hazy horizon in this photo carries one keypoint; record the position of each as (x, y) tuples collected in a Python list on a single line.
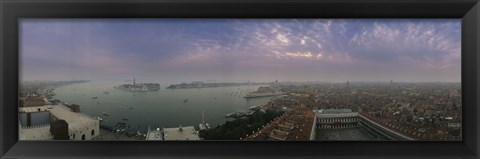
[(230, 50)]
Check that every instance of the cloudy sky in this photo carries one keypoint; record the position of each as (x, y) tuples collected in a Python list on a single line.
[(233, 50)]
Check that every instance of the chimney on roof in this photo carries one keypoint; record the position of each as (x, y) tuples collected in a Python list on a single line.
[(75, 108)]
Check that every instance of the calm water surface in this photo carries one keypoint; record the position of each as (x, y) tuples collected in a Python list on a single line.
[(165, 107)]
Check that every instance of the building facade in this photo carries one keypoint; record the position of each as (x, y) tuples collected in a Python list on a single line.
[(336, 118)]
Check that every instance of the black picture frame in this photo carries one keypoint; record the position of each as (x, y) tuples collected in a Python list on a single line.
[(13, 10)]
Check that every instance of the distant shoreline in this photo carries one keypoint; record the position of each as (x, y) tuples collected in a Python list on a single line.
[(210, 85)]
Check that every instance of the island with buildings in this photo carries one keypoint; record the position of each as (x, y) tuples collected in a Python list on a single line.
[(139, 87), (200, 84)]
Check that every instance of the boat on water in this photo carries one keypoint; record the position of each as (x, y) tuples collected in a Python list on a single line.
[(99, 118), (106, 92), (236, 115), (229, 115), (120, 131), (94, 97), (106, 114), (254, 107)]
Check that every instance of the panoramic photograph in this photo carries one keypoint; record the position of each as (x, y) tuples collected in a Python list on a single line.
[(240, 79)]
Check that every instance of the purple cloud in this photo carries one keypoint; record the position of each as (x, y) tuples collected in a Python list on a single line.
[(229, 49)]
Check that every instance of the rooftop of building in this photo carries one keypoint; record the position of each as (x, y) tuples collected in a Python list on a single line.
[(35, 109), (154, 134), (333, 111), (347, 134), (76, 121), (287, 125), (278, 134), (301, 119), (181, 133)]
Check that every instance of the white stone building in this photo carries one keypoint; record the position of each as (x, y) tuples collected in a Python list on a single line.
[(80, 126)]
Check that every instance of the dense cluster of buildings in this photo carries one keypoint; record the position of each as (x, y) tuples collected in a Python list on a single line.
[(423, 111), (297, 123)]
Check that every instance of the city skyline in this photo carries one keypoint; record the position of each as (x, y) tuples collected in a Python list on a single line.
[(335, 50)]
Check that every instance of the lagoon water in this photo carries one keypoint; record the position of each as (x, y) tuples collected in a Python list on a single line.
[(163, 108)]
